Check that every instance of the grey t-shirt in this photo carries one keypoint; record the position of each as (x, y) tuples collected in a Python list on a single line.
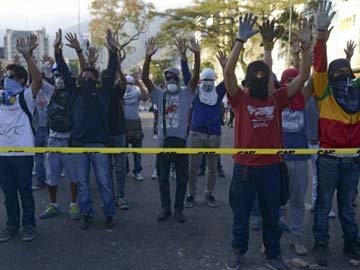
[(131, 104), (177, 107), (42, 102)]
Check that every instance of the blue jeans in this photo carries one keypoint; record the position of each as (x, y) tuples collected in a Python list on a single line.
[(247, 182), (41, 139), (341, 175), (15, 176), (137, 157), (120, 165), (101, 167)]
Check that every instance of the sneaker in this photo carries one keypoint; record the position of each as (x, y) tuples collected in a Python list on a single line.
[(276, 264), (283, 225), (201, 173), (179, 216), (164, 215), (8, 233), (122, 203), (154, 175), (29, 233), (74, 212), (190, 201), (109, 222), (210, 199), (332, 214), (139, 177), (155, 137), (38, 186), (50, 211), (320, 253), (256, 223), (221, 173), (235, 261), (298, 244), (172, 173), (87, 221)]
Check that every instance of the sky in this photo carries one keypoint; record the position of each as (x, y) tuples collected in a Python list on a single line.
[(51, 14)]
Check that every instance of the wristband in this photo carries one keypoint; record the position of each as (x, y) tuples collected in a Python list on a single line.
[(239, 40), (79, 51)]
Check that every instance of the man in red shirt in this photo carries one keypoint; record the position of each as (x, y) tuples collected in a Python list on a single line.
[(258, 125)]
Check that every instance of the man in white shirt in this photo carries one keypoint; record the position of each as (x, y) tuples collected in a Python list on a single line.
[(16, 110)]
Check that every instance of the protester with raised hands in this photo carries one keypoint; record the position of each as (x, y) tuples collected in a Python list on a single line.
[(17, 107), (257, 125), (59, 119), (173, 104), (338, 98), (91, 129)]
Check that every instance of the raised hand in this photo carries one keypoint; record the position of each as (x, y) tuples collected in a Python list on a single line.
[(295, 45), (32, 41), (45, 58), (23, 47), (111, 42), (182, 47), (323, 16), (92, 56), (305, 34), (194, 45), (222, 58), (151, 48), (73, 41), (246, 25), (58, 40), (349, 50), (267, 31)]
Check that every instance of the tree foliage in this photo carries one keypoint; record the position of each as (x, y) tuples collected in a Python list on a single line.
[(157, 68), (128, 19), (216, 22)]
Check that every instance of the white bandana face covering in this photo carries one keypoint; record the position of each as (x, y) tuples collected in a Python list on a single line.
[(207, 93)]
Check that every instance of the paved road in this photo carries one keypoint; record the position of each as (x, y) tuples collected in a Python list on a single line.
[(138, 241)]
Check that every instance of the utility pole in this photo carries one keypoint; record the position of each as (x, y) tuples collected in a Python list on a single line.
[(290, 31), (79, 30)]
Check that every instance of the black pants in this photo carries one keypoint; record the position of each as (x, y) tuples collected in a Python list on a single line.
[(182, 174)]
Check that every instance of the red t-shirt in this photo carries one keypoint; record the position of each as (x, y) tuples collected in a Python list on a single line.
[(256, 125)]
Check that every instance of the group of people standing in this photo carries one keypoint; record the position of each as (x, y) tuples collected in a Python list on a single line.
[(101, 109)]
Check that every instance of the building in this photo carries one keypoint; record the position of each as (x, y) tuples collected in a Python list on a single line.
[(10, 44)]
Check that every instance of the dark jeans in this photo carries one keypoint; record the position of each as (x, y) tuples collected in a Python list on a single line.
[(156, 118), (265, 183), (341, 175), (137, 157), (15, 177), (41, 139), (203, 163), (120, 163), (182, 174)]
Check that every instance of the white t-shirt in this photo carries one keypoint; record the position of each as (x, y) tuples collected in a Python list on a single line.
[(15, 127)]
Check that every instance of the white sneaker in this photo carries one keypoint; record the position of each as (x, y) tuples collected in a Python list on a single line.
[(154, 175), (332, 214), (139, 177), (155, 137)]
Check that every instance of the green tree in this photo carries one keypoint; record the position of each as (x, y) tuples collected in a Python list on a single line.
[(74, 66), (2, 70), (217, 22), (128, 19)]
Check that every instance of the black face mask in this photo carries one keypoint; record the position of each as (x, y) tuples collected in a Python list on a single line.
[(258, 86), (86, 83)]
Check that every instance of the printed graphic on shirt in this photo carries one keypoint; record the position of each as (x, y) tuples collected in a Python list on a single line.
[(172, 112), (42, 100), (10, 130), (261, 117), (292, 121)]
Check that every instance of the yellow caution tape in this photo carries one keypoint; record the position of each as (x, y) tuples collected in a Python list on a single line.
[(191, 151)]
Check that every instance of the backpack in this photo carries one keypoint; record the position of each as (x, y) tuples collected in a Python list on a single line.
[(33, 118), (60, 111)]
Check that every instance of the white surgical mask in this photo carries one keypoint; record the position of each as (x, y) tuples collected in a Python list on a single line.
[(59, 84), (172, 87)]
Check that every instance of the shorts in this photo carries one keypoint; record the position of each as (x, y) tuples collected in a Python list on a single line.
[(59, 162)]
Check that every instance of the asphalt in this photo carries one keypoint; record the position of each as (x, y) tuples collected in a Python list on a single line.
[(138, 241)]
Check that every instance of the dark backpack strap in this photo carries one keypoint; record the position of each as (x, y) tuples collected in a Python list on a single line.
[(25, 108), (164, 114)]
